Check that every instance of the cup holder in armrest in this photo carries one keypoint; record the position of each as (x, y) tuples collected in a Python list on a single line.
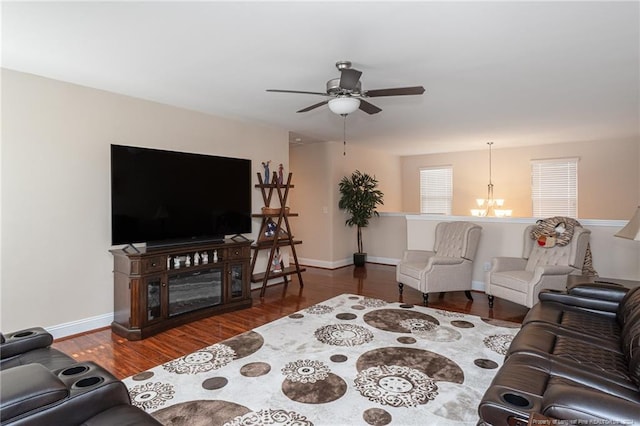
[(72, 371), (88, 382), (24, 334), (516, 400)]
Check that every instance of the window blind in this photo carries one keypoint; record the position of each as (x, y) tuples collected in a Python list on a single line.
[(436, 190), (554, 187)]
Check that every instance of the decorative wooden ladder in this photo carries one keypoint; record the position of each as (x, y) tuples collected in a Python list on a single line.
[(282, 235)]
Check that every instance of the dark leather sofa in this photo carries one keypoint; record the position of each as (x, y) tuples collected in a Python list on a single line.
[(576, 360), (43, 386)]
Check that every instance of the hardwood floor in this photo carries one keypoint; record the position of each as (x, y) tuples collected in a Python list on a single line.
[(124, 358)]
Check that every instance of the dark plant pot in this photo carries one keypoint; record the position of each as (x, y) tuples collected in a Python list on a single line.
[(359, 259)]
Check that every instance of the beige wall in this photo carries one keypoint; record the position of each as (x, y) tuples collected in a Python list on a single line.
[(312, 199), (608, 177), (327, 242), (56, 267)]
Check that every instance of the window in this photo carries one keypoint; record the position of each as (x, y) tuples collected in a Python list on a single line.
[(436, 190), (554, 187)]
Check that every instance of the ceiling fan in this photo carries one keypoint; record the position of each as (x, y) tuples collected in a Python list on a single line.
[(346, 94)]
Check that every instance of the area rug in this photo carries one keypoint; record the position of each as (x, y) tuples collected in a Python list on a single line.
[(350, 360)]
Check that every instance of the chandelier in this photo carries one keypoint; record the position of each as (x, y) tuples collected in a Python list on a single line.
[(490, 206)]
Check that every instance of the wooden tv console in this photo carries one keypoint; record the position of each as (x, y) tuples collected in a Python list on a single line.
[(157, 289)]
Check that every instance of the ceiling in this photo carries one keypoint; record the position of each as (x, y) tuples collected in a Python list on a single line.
[(516, 73)]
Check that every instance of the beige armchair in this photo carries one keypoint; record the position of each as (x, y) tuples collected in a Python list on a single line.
[(521, 279), (448, 267)]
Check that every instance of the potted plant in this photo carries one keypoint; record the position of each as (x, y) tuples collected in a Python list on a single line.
[(359, 196)]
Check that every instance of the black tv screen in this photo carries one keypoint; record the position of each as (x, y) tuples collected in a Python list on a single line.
[(164, 197)]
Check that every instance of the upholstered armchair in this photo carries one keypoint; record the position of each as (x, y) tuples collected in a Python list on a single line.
[(448, 267), (521, 279)]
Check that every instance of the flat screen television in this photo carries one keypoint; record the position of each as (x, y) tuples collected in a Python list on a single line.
[(163, 197)]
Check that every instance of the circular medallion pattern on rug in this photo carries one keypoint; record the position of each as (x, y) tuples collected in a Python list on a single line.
[(305, 371), (343, 334), (498, 342), (207, 359), (396, 386), (270, 417), (417, 325), (151, 395), (371, 302), (319, 309)]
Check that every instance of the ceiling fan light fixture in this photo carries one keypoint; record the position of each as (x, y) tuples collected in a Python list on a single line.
[(344, 105)]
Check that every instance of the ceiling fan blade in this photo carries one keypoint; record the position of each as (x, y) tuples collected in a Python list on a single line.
[(398, 91), (314, 106), (349, 78), (297, 91), (368, 107)]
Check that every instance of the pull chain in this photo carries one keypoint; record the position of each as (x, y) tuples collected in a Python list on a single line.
[(344, 134)]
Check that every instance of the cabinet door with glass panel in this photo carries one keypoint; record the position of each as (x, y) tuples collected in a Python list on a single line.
[(237, 288), (153, 301)]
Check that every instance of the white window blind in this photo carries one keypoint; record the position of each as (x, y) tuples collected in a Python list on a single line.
[(436, 190), (554, 187)]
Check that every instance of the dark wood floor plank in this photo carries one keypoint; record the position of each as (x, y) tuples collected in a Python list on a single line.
[(124, 358)]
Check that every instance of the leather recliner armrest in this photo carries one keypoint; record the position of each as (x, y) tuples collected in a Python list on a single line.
[(22, 341), (581, 403), (28, 387), (594, 304), (92, 390), (604, 291)]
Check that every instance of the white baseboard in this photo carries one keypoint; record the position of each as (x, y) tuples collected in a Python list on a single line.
[(325, 264), (383, 260), (345, 262), (80, 326)]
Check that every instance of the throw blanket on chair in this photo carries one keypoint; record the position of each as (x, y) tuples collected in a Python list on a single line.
[(558, 230)]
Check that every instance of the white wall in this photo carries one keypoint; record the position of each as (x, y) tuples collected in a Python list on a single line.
[(56, 266)]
